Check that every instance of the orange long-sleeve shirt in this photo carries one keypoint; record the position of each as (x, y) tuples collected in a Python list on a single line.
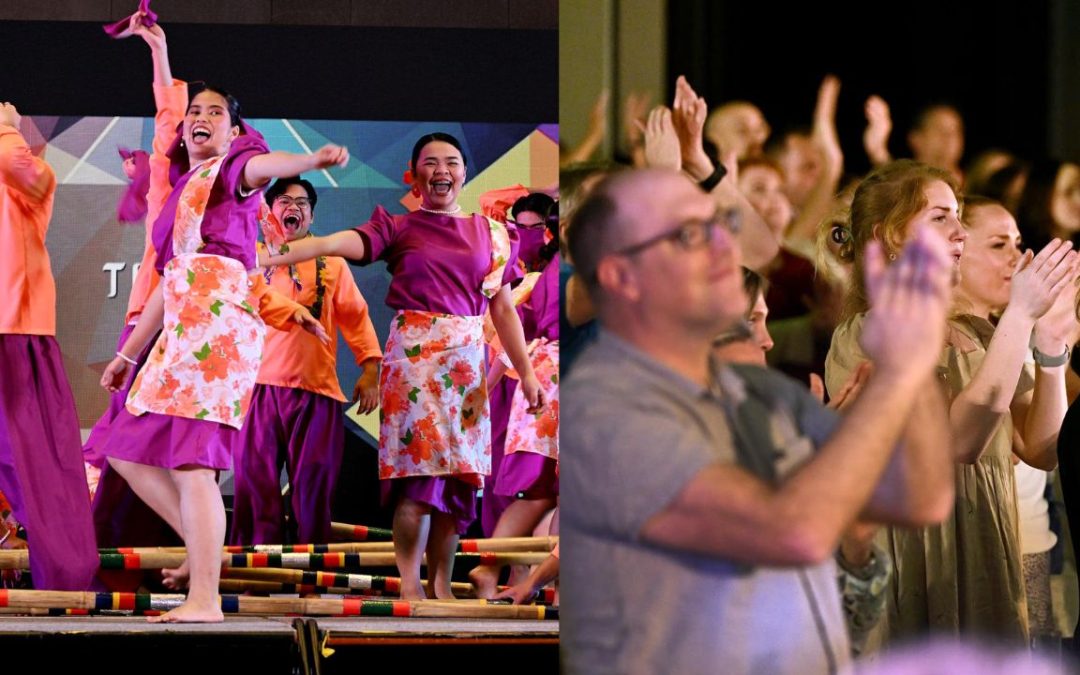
[(171, 102), (27, 289), (298, 359)]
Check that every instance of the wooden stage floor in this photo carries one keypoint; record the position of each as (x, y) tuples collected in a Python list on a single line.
[(282, 644)]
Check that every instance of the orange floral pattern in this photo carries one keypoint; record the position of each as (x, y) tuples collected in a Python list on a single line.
[(434, 400), (204, 363), (537, 432), (500, 253)]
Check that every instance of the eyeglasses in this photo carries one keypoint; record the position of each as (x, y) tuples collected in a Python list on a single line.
[(692, 234), (286, 201)]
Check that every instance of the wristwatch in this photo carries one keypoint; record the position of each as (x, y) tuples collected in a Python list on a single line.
[(1050, 361), (719, 171)]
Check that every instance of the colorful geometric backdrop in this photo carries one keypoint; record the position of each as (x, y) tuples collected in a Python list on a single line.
[(93, 255)]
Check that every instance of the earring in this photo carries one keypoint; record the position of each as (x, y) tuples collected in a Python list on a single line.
[(892, 256)]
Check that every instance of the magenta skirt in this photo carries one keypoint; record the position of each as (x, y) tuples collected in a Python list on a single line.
[(445, 494), (92, 447), (527, 475), (169, 442)]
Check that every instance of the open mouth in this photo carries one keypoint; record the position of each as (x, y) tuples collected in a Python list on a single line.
[(200, 135), (441, 187), (291, 221)]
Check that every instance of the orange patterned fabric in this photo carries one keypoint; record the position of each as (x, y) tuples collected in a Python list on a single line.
[(204, 364), (537, 432), (434, 399), (500, 254)]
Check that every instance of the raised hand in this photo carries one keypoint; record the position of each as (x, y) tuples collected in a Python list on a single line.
[(688, 115), (1059, 327), (598, 116), (661, 142), (635, 108), (1039, 278), (904, 331), (9, 115), (850, 391), (331, 155), (824, 133), (878, 128), (152, 35)]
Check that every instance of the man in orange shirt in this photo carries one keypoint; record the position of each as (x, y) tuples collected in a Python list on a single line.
[(295, 416), (41, 468)]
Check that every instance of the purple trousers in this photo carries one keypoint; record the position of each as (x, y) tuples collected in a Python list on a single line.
[(41, 467), (304, 432)]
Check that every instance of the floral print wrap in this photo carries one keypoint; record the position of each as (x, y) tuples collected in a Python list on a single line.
[(434, 398), (537, 432), (205, 361)]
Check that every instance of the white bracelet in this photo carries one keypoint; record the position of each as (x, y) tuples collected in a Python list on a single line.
[(129, 360)]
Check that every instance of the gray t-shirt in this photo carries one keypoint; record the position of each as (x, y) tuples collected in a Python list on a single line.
[(633, 434)]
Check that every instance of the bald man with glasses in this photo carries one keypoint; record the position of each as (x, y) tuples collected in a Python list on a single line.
[(702, 503)]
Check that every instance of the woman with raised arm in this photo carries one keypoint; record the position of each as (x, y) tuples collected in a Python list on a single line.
[(121, 519), (434, 440), (196, 385), (964, 576)]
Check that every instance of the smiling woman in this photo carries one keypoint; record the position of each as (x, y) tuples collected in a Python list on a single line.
[(435, 437), (196, 384), (964, 576)]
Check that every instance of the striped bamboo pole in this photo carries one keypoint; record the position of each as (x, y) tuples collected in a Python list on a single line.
[(301, 581), (353, 583), (347, 532), (345, 583), (272, 587), (508, 544), (501, 545), (240, 604), (156, 559), (9, 611), (88, 600)]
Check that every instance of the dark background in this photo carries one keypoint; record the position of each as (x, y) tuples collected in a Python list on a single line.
[(308, 72), (995, 61)]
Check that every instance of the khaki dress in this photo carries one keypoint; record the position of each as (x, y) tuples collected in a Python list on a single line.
[(963, 576)]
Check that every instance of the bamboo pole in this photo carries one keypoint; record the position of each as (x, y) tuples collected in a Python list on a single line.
[(339, 583), (500, 545), (353, 582), (269, 587), (157, 559), (299, 581), (347, 532), (240, 604)]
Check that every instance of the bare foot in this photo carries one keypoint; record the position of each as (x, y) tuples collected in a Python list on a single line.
[(413, 593), (190, 613), (444, 594), (518, 574), (176, 578), (486, 580)]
